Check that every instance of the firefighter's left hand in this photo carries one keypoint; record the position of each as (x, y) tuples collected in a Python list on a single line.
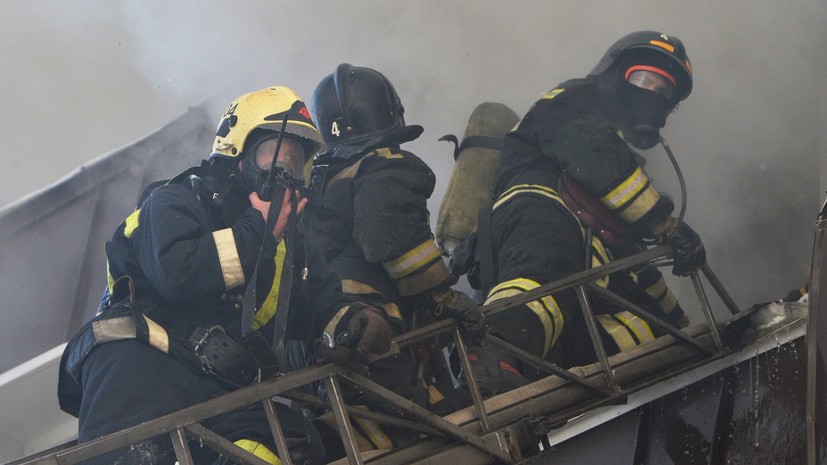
[(689, 250), (456, 304), (366, 333)]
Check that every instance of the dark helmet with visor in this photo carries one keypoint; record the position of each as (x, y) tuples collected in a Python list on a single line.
[(651, 73), (356, 109)]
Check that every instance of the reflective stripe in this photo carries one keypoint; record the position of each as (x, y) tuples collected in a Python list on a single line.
[(350, 286), (259, 450), (661, 293), (626, 190), (633, 197), (426, 278), (268, 308), (158, 336), (385, 153), (617, 331), (600, 257), (130, 223), (413, 260), (374, 432), (599, 254), (330, 328), (228, 258), (434, 395), (527, 188), (640, 206), (123, 327), (638, 327), (392, 310), (545, 308), (553, 93)]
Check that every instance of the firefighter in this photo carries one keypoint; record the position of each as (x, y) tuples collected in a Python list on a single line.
[(171, 332), (370, 219), (579, 140)]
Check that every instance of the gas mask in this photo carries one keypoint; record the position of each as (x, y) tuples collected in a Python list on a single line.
[(257, 162), (645, 102)]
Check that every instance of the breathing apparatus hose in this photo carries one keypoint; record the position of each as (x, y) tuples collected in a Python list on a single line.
[(680, 176)]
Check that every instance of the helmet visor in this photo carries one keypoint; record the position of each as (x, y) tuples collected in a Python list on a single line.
[(290, 157), (652, 79)]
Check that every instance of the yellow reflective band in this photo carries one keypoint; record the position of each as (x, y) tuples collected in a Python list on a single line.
[(269, 307), (641, 205), (425, 278), (663, 295), (633, 197), (259, 450), (553, 93), (228, 258), (330, 328), (130, 223), (637, 326), (350, 286), (434, 395), (625, 191), (599, 257), (618, 332), (385, 153), (374, 432), (392, 310), (546, 308), (413, 260), (158, 336), (526, 188), (663, 45)]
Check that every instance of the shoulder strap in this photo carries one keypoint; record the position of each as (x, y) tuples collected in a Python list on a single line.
[(485, 248)]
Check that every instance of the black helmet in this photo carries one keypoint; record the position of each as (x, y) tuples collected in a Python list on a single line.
[(650, 48), (648, 74), (356, 109)]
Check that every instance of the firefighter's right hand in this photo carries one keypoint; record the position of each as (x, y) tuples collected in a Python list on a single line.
[(689, 250), (284, 214), (457, 304)]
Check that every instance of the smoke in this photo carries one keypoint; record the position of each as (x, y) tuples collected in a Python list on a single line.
[(83, 80)]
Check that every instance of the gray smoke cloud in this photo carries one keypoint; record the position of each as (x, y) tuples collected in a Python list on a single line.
[(84, 78)]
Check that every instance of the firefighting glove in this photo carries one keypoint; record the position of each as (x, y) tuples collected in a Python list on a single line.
[(451, 303), (365, 333), (689, 250)]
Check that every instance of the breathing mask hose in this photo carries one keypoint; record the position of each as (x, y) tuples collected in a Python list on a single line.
[(680, 176)]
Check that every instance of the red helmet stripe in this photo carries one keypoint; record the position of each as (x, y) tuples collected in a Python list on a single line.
[(652, 69)]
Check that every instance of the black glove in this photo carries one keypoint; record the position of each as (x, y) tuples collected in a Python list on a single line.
[(689, 250), (365, 333), (456, 304)]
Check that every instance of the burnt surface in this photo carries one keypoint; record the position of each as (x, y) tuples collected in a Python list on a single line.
[(751, 413)]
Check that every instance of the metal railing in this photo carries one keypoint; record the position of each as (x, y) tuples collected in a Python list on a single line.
[(477, 434)]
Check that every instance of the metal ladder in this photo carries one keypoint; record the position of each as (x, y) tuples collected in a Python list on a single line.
[(506, 428)]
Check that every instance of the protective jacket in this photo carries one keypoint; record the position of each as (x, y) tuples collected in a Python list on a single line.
[(189, 249), (535, 238), (370, 221)]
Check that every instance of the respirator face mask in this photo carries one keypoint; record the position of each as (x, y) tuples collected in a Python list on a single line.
[(646, 101), (256, 164)]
